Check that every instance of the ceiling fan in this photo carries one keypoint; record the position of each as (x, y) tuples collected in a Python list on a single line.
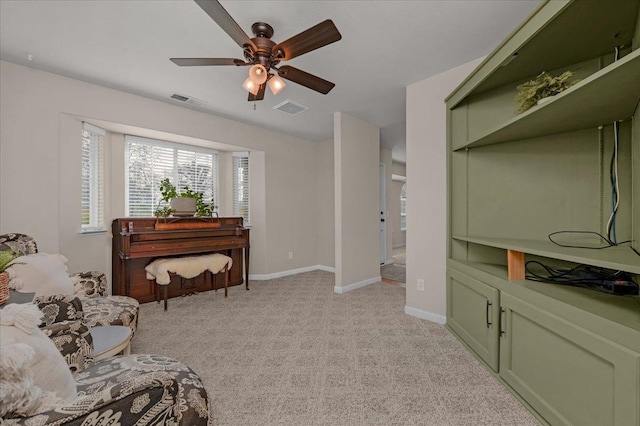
[(264, 55)]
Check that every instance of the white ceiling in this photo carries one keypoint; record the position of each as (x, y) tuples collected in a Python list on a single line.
[(385, 46)]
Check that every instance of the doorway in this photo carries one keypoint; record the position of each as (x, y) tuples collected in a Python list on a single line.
[(383, 214), (394, 270)]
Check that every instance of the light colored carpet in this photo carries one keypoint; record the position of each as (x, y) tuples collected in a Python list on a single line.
[(394, 272), (292, 352), (400, 259)]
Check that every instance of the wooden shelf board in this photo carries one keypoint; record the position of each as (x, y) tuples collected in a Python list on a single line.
[(616, 258), (614, 91)]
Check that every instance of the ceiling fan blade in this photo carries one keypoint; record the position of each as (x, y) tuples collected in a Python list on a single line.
[(219, 14), (315, 37), (197, 62), (304, 78), (258, 96)]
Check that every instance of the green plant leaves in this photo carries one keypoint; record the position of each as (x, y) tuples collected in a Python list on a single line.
[(543, 86)]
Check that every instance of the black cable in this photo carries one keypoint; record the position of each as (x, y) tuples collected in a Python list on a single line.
[(556, 276), (581, 276), (554, 273), (607, 240), (613, 177)]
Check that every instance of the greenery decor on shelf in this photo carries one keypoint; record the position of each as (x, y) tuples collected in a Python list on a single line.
[(543, 86), (169, 192)]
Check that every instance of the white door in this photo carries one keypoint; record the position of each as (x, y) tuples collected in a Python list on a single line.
[(383, 214)]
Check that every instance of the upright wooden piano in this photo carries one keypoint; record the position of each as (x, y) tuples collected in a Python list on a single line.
[(137, 242)]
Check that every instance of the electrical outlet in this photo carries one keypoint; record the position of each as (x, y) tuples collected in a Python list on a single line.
[(290, 255), (420, 284)]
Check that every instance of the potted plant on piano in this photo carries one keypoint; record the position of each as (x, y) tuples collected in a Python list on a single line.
[(187, 203), (205, 209), (183, 204)]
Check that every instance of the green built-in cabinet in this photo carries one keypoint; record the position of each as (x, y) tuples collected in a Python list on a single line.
[(571, 354), (473, 310)]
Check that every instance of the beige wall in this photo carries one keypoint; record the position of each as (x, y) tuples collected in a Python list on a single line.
[(326, 204), (40, 168), (427, 191), (357, 202)]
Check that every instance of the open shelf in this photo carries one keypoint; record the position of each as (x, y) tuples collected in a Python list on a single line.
[(608, 95), (623, 310), (617, 258)]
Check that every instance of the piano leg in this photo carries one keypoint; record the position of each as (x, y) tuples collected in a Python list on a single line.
[(165, 288)]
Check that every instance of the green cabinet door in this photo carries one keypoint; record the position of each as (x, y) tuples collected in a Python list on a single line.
[(473, 314), (570, 375)]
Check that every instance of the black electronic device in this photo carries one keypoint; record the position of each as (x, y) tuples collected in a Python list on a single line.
[(619, 287)]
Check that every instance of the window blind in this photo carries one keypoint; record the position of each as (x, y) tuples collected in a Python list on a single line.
[(241, 185), (149, 161), (92, 193)]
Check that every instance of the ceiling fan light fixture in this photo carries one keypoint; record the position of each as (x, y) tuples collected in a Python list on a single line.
[(276, 84), (258, 74), (250, 86)]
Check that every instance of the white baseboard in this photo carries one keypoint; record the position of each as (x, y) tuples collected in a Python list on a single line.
[(439, 319), (262, 277), (398, 246), (355, 286), (388, 262)]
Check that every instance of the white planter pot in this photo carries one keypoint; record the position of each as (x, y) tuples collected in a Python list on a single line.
[(184, 206)]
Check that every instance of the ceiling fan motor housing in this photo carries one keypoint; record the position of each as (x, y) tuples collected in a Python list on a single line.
[(264, 45), (262, 29)]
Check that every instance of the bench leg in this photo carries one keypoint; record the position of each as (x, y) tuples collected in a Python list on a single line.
[(157, 292)]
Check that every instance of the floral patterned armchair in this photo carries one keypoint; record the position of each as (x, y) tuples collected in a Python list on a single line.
[(143, 390), (100, 309)]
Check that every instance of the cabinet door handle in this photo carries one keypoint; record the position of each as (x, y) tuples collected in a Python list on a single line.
[(489, 324), (502, 331)]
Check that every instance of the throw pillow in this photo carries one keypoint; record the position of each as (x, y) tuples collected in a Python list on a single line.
[(42, 273), (19, 324), (19, 396)]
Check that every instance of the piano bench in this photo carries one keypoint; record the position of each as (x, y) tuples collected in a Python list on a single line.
[(187, 268)]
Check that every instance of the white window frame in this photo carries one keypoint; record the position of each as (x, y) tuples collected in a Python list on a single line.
[(237, 207), (174, 179), (96, 179)]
